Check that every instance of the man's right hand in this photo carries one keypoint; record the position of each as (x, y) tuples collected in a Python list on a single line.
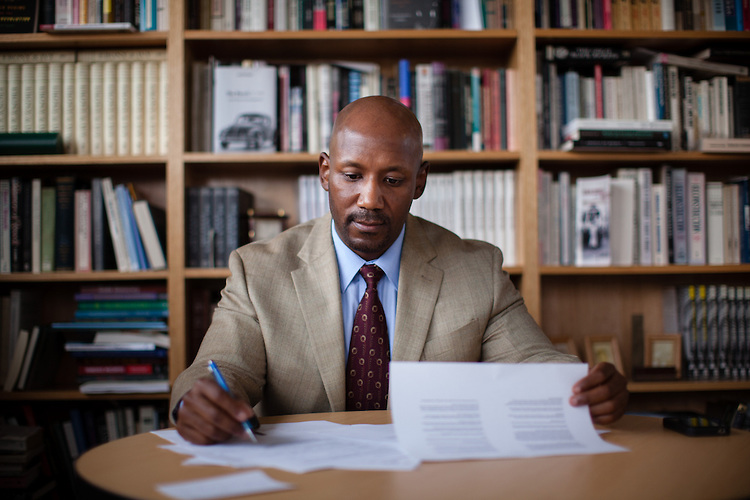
[(209, 415)]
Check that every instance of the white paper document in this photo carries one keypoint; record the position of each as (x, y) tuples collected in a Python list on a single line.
[(457, 411), (303, 447), (228, 485)]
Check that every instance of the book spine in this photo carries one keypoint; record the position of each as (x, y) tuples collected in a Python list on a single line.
[(96, 104), (679, 213), (123, 108), (36, 225), (151, 109), (115, 226), (109, 108), (48, 229), (82, 228), (54, 93), (82, 131), (3, 98), (64, 224), (163, 108), (41, 97), (14, 98), (68, 107), (714, 223), (27, 97)]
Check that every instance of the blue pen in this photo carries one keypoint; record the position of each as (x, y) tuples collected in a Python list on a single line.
[(248, 425)]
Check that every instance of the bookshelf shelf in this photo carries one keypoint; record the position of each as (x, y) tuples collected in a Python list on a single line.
[(281, 159), (689, 386), (81, 160), (35, 41), (71, 276), (642, 270), (356, 44), (551, 157), (681, 41), (74, 395)]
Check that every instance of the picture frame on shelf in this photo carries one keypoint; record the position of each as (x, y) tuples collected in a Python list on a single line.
[(603, 348), (565, 345), (664, 351)]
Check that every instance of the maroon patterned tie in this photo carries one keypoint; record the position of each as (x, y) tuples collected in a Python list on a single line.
[(369, 354)]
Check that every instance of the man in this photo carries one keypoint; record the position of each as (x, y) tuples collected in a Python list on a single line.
[(282, 330)]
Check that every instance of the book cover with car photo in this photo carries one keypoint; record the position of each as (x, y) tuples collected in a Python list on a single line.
[(244, 109)]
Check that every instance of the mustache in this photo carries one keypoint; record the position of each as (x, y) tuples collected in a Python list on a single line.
[(367, 217)]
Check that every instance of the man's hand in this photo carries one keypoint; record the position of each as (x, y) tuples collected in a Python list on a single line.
[(209, 415), (605, 392)]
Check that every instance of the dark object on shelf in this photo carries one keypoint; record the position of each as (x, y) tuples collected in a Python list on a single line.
[(697, 426), (19, 16), (30, 143), (642, 374)]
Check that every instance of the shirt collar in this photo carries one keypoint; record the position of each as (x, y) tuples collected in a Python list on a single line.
[(350, 262)]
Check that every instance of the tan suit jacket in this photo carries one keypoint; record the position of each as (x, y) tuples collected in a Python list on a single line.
[(277, 333)]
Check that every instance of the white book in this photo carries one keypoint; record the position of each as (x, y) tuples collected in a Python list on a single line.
[(628, 106), (510, 250), (27, 97), (621, 221), (3, 98), (488, 182), (149, 235), (703, 114), (325, 105), (151, 108), (109, 108), (659, 225), (644, 185), (70, 439), (116, 55), (635, 212), (667, 15), (14, 98), (673, 101), (41, 97), (245, 114), (96, 103), (280, 15), (4, 226), (54, 93), (424, 103), (110, 419), (592, 221), (372, 15), (163, 108), (129, 414), (696, 221), (471, 15), (229, 17), (123, 108), (566, 257), (730, 222), (68, 131), (498, 179), (650, 92), (36, 225), (82, 130), (82, 230), (115, 226), (477, 208), (715, 223), (148, 419), (137, 94), (554, 223)]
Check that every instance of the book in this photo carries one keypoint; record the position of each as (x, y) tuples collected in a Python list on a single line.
[(678, 197), (411, 14), (36, 225), (696, 223), (82, 230), (592, 221), (20, 438), (725, 145), (25, 143), (244, 109), (238, 203), (64, 223), (117, 232), (28, 357), (45, 360), (19, 16), (660, 252), (151, 223), (49, 204), (692, 63), (16, 362), (5, 226)]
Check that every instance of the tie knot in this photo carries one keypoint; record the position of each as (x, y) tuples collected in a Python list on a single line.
[(372, 274)]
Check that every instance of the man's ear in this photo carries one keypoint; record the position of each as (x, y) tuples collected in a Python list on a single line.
[(424, 169), (324, 168)]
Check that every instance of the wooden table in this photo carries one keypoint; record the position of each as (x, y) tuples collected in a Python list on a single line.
[(661, 464)]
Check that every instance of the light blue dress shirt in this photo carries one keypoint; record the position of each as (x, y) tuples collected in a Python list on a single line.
[(353, 285)]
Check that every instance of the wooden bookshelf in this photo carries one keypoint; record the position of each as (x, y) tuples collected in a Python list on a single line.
[(566, 301)]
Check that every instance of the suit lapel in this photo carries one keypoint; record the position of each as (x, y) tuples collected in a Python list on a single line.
[(418, 289), (317, 286)]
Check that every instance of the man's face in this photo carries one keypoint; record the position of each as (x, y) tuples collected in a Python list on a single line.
[(371, 180)]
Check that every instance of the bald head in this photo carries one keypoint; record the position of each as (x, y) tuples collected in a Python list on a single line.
[(382, 118)]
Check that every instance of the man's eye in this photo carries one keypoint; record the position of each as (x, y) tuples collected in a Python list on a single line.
[(351, 177), (392, 181)]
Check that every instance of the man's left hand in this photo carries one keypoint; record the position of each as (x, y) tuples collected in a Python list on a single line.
[(605, 392)]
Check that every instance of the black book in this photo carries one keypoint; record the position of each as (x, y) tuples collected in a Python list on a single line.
[(412, 14), (45, 360), (64, 223), (19, 16), (30, 143)]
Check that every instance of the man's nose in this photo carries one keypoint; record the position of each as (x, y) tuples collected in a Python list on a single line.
[(371, 196)]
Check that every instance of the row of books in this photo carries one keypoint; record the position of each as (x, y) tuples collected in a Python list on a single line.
[(70, 224), (295, 15), (24, 468), (116, 342), (713, 321), (80, 15), (656, 15), (103, 102), (216, 224), (291, 108), (474, 204), (705, 101), (628, 219)]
